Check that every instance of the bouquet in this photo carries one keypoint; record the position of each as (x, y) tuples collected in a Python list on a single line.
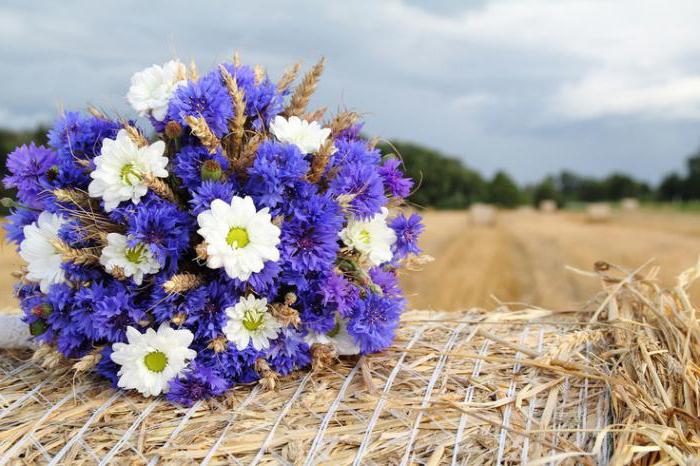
[(240, 239)]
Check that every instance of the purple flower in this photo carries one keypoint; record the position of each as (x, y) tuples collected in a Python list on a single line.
[(200, 383), (115, 310), (386, 280), (17, 221), (407, 232), (310, 239), (205, 98), (288, 352), (188, 164), (394, 182), (76, 138), (276, 170), (262, 101), (373, 322), (364, 184), (29, 168), (162, 226), (339, 293), (203, 196)]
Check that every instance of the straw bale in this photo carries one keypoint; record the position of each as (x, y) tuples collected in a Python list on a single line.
[(482, 214), (613, 383), (548, 206), (599, 212)]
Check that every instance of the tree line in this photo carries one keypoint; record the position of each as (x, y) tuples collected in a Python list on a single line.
[(448, 183)]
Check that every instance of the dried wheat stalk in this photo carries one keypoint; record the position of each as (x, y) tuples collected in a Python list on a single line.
[(182, 282), (135, 135), (82, 256), (160, 187), (288, 77), (206, 136), (236, 124), (302, 93)]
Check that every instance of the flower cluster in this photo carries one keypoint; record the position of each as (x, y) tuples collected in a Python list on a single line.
[(241, 240)]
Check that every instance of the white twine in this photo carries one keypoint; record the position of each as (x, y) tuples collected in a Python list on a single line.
[(382, 400), (29, 435), (509, 407), (282, 414), (129, 432), (476, 371), (429, 391), (177, 430), (329, 414), (79, 435), (531, 409), (233, 417)]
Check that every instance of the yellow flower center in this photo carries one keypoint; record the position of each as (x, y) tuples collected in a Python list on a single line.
[(253, 319), (364, 236), (129, 174), (237, 237), (156, 361), (135, 254)]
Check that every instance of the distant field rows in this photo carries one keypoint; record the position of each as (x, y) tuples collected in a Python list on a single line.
[(524, 256)]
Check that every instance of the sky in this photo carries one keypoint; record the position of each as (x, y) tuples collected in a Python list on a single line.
[(528, 86)]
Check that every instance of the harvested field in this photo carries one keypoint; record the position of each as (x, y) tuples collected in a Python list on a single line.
[(523, 257)]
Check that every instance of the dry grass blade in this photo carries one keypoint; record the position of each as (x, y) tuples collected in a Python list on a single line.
[(135, 135), (206, 136), (82, 256), (342, 121), (288, 77), (236, 125), (160, 187), (320, 161), (72, 196), (302, 93)]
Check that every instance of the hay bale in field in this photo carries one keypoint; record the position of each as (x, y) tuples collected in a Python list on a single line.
[(548, 206), (629, 204), (482, 214), (505, 387), (598, 212)]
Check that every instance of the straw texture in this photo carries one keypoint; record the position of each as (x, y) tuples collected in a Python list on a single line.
[(613, 383)]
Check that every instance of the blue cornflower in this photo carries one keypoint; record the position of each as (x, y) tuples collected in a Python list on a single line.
[(288, 352), (188, 164), (407, 232), (339, 293), (203, 196), (277, 168), (163, 227), (364, 184), (310, 238), (394, 181), (30, 172), (200, 383), (115, 310), (205, 98), (14, 226), (373, 322)]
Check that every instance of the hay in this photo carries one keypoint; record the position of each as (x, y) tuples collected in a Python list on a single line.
[(482, 214), (599, 212), (629, 204), (613, 383), (548, 206)]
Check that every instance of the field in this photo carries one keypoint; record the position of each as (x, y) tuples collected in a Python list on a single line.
[(523, 258)]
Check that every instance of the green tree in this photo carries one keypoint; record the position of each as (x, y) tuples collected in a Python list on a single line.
[(503, 191)]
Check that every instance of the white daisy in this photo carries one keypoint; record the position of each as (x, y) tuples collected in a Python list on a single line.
[(120, 169), (150, 360), (152, 88), (135, 261), (37, 250), (238, 237), (338, 337), (372, 238), (308, 137), (250, 320)]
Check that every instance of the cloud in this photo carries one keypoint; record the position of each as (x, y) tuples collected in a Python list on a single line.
[(514, 84)]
